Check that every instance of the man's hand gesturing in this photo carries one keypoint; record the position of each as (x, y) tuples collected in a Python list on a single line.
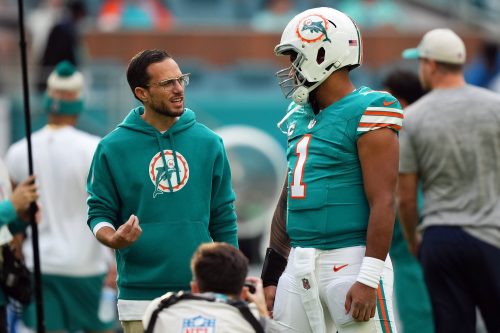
[(127, 233)]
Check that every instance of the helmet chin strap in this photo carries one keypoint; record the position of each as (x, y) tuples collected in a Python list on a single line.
[(301, 94)]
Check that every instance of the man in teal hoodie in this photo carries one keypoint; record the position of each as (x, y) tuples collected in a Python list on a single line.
[(159, 186)]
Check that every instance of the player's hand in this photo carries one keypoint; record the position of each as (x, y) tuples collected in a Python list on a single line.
[(127, 233), (361, 300), (24, 194), (270, 294)]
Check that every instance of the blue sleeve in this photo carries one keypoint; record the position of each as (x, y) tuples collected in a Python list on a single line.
[(8, 216), (7, 212), (17, 226), (223, 227)]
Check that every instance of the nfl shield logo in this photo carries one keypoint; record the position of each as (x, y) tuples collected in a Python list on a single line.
[(198, 324), (305, 284)]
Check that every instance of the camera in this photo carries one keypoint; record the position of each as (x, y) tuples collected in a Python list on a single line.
[(250, 286)]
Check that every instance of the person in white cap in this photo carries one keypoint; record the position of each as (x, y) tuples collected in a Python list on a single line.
[(451, 143), (73, 264)]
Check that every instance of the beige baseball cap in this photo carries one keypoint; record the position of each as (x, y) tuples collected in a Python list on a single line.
[(65, 77), (441, 45)]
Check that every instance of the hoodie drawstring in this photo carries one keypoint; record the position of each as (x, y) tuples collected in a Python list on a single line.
[(172, 143), (176, 164)]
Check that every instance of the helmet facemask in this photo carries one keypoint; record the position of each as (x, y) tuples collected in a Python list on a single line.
[(291, 81), (290, 78)]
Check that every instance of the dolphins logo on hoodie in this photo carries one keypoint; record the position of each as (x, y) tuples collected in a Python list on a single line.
[(169, 177)]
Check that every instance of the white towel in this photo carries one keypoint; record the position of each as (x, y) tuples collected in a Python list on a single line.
[(303, 270)]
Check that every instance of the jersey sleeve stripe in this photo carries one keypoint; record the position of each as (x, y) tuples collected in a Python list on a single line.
[(383, 113), (371, 127), (381, 108), (363, 125), (380, 120)]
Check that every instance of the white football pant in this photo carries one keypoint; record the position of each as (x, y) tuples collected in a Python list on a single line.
[(311, 293)]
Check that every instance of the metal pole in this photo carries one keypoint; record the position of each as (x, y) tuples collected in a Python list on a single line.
[(27, 125)]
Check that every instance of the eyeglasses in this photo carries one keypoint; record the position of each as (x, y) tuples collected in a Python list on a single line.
[(183, 80)]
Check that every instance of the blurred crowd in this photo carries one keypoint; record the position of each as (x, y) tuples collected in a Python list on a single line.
[(55, 27), (67, 19)]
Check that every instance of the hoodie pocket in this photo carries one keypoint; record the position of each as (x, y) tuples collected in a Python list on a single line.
[(162, 254)]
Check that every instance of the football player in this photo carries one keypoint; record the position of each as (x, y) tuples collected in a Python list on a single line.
[(336, 211)]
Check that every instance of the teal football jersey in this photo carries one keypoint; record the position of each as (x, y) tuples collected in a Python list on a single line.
[(327, 206)]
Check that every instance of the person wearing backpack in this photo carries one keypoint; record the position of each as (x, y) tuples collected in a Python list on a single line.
[(222, 298)]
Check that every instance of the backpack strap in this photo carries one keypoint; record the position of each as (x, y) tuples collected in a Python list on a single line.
[(170, 299), (247, 314)]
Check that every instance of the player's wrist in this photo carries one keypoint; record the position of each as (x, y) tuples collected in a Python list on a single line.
[(273, 267), (370, 272)]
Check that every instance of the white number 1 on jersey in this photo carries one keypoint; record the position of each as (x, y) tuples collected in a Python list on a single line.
[(297, 188)]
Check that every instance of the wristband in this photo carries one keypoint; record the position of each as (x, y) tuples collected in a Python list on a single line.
[(370, 272), (101, 225), (274, 265)]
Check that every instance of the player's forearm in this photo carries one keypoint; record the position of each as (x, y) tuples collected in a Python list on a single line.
[(279, 240), (378, 153), (279, 244), (379, 236), (380, 228)]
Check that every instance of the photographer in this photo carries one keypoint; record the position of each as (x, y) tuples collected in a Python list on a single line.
[(14, 218), (223, 298)]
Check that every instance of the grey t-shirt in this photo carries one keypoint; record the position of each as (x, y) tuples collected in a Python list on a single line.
[(451, 139)]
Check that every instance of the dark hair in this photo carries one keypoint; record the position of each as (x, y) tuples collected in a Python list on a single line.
[(404, 84), (137, 74), (77, 9), (219, 268)]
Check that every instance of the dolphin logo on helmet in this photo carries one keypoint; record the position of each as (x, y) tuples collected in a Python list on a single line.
[(316, 27), (324, 40)]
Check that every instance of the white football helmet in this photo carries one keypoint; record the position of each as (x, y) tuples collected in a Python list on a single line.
[(324, 40)]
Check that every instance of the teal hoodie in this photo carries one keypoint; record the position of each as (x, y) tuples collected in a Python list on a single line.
[(180, 206)]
